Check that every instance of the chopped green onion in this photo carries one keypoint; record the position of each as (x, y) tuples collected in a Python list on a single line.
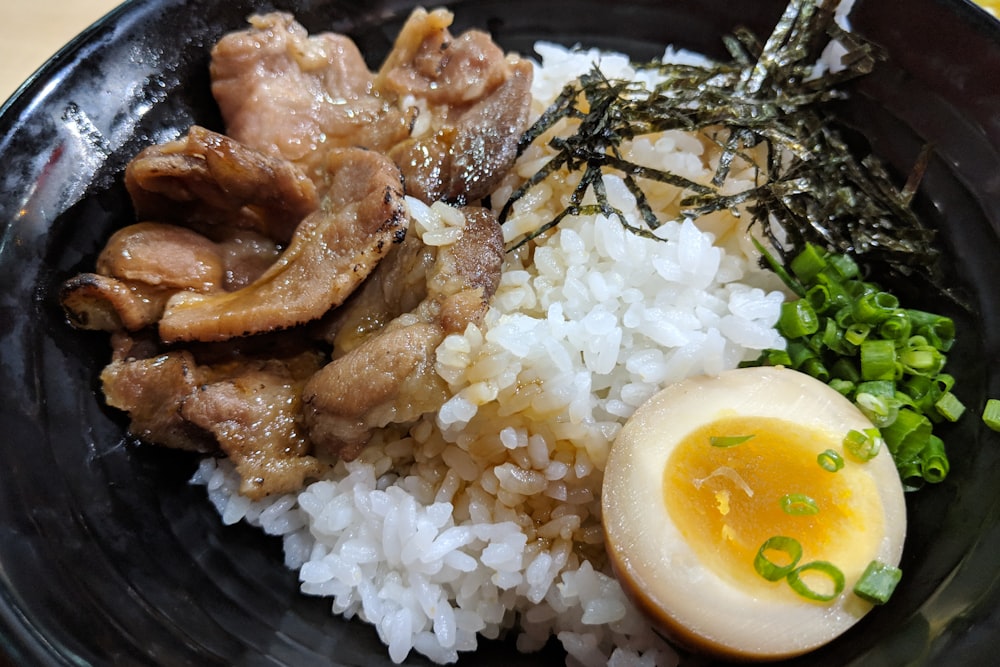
[(888, 360), (823, 567), (779, 358), (863, 445), (877, 582), (938, 330), (949, 407), (907, 434), (910, 475), (836, 293), (903, 399), (880, 410), (799, 352), (844, 369), (844, 317), (884, 388), (818, 297), (808, 263), (944, 381), (857, 332), (833, 339), (814, 366), (770, 570), (844, 265), (798, 504), (923, 391), (859, 289), (778, 268), (843, 387), (724, 441), (896, 326), (878, 359), (830, 461), (874, 307), (991, 414), (934, 465), (921, 359), (797, 319)]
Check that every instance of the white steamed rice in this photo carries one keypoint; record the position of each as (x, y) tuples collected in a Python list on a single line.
[(486, 516)]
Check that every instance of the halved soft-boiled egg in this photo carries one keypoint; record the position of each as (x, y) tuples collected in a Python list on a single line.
[(741, 510)]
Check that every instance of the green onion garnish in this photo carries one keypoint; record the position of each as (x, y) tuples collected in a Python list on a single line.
[(896, 326), (819, 297), (843, 387), (875, 307), (857, 332), (798, 504), (885, 388), (844, 369), (881, 410), (878, 359), (844, 265), (949, 407), (934, 464), (808, 263), (921, 359), (724, 441), (907, 434), (877, 582), (937, 330), (830, 461), (798, 318), (863, 445), (885, 358), (822, 567), (770, 570), (991, 414)]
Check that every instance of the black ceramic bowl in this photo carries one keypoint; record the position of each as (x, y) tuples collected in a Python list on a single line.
[(108, 556)]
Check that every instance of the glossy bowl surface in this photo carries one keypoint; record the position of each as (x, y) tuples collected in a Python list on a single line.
[(109, 557)]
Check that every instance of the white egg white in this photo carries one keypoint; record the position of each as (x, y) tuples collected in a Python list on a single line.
[(663, 573)]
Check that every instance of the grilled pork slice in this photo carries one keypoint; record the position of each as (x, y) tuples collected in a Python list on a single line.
[(362, 215), (387, 374)]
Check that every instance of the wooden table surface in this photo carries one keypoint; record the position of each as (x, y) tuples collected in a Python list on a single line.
[(32, 30)]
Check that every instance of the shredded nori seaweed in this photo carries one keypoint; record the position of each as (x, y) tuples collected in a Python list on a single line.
[(815, 189)]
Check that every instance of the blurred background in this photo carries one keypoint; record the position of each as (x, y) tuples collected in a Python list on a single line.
[(31, 31)]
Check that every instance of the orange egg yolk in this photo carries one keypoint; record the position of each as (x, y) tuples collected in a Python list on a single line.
[(727, 499)]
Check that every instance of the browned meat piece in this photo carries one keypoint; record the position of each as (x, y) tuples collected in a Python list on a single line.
[(362, 215), (478, 101), (486, 136), (254, 418), (427, 62), (248, 408), (467, 275), (151, 391), (294, 95), (389, 380), (289, 94), (162, 256), (97, 302), (139, 269), (397, 286), (246, 255), (284, 221), (208, 179), (144, 264), (389, 376)]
